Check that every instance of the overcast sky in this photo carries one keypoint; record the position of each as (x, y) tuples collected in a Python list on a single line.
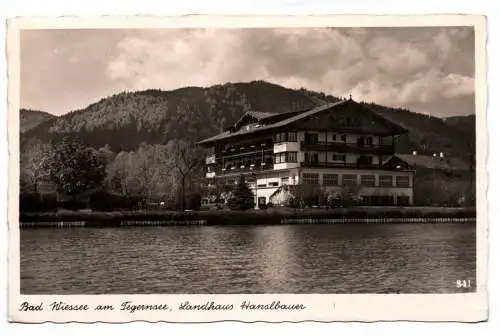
[(428, 70)]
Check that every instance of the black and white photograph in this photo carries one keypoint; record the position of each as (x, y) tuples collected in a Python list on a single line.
[(248, 160)]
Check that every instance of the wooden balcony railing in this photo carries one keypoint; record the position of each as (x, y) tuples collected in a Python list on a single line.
[(244, 168), (345, 147)]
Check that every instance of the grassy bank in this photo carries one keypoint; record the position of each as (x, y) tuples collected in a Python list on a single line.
[(228, 217)]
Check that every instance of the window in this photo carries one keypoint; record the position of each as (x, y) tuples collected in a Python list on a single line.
[(338, 157), (273, 184), (385, 181), (334, 137), (365, 160), (311, 138), (311, 157), (368, 180), (402, 181), (330, 179), (309, 178), (369, 141), (343, 137), (284, 137), (349, 179), (261, 185), (285, 157)]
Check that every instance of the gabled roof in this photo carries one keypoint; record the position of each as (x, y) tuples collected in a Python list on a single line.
[(431, 162), (292, 117)]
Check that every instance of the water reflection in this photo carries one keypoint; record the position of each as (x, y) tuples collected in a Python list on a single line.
[(390, 258)]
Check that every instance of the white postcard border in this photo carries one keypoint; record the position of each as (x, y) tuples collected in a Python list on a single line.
[(470, 307)]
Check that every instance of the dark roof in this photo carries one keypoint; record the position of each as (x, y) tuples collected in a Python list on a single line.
[(291, 117), (432, 162)]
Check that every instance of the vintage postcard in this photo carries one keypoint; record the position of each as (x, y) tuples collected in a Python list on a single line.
[(215, 168)]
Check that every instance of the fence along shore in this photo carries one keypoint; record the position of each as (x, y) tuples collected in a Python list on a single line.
[(249, 217)]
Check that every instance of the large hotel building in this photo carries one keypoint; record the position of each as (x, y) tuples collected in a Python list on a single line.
[(333, 146)]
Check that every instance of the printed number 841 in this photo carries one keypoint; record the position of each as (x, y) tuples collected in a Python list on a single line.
[(463, 284)]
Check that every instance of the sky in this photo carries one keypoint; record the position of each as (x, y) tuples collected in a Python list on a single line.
[(425, 69)]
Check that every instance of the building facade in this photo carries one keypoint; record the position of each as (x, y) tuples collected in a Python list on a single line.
[(337, 146), (439, 180)]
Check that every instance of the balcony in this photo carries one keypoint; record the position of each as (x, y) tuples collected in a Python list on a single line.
[(343, 147), (210, 159), (245, 169), (339, 165), (242, 153), (246, 149), (286, 147)]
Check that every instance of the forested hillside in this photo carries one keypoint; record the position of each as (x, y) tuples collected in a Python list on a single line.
[(465, 125), (29, 119), (127, 119)]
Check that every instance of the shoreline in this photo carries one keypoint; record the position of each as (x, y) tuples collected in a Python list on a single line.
[(274, 216)]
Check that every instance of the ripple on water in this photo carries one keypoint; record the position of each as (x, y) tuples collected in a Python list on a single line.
[(390, 258)]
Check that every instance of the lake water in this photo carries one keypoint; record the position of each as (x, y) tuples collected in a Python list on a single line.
[(384, 258)]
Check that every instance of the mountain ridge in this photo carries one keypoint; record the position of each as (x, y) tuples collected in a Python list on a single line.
[(127, 119)]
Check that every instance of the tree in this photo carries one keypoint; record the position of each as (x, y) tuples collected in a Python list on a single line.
[(75, 169), (307, 195), (33, 164), (185, 159), (143, 175), (350, 195), (242, 198)]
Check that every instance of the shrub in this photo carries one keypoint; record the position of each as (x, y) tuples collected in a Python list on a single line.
[(193, 201), (105, 201), (37, 203), (242, 198)]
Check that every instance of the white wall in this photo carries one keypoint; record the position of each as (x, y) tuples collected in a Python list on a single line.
[(286, 165)]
